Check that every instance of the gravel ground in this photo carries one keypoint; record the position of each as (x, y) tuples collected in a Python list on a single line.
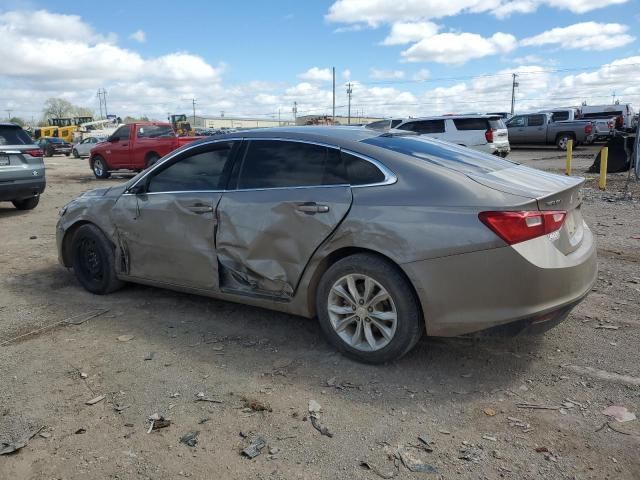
[(153, 351)]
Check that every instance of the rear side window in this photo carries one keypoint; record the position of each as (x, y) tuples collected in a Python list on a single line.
[(395, 123), (14, 136), (424, 126), (360, 171), (198, 171), (471, 123), (278, 164), (535, 120), (155, 131), (559, 116)]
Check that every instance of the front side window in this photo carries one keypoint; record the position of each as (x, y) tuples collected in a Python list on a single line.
[(278, 164), (516, 122), (535, 120), (122, 133), (202, 170)]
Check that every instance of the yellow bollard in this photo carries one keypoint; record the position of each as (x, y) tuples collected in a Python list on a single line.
[(604, 156), (569, 156)]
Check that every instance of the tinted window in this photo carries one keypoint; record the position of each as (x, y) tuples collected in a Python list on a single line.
[(273, 164), (55, 140), (424, 126), (516, 122), (395, 123), (122, 133), (560, 116), (535, 120), (471, 123), (360, 171), (380, 125), (155, 131), (441, 153), (14, 136), (198, 171)]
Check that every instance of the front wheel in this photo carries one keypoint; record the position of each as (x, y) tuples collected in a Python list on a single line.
[(99, 167), (75, 153), (93, 260), (27, 203), (368, 310)]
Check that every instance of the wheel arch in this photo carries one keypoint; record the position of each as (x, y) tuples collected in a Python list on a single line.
[(339, 254), (68, 238)]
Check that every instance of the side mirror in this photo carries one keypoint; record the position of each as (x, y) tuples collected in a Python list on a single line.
[(140, 187)]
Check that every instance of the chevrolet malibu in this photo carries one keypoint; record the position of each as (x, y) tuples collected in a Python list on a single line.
[(381, 237)]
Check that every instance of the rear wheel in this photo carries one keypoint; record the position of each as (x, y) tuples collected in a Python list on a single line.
[(27, 203), (100, 168), (93, 260), (367, 309), (563, 141), (48, 152)]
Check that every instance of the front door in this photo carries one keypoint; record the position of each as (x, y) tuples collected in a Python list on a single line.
[(516, 127), (167, 231), (118, 151), (287, 198)]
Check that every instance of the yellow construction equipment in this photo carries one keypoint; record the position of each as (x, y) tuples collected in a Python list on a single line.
[(65, 127), (181, 126)]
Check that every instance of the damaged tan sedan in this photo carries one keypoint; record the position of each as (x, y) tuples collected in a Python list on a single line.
[(382, 237)]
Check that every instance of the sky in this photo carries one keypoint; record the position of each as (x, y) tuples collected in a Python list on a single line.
[(256, 58)]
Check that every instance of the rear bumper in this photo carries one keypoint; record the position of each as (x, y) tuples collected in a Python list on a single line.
[(468, 293), (21, 189)]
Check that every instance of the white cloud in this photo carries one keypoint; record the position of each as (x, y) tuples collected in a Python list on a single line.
[(138, 36), (407, 32), (458, 48), (376, 12), (421, 75), (585, 36), (316, 74), (531, 59), (376, 74), (346, 74)]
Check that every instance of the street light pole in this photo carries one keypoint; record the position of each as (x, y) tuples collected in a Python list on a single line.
[(349, 92)]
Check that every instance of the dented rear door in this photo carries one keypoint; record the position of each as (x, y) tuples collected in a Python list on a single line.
[(288, 198)]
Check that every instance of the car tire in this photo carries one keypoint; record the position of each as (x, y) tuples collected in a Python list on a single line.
[(75, 153), (27, 203), (563, 139), (100, 167), (48, 152), (399, 314), (67, 154), (93, 260), (151, 160)]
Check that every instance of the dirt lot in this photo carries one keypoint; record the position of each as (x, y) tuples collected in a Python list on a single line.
[(461, 395)]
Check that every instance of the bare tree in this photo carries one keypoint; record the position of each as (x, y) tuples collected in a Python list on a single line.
[(57, 108)]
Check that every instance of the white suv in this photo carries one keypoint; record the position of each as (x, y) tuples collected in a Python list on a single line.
[(486, 133)]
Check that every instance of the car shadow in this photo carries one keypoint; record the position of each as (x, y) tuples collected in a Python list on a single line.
[(191, 326)]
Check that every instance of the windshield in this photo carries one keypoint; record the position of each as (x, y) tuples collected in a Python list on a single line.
[(442, 153)]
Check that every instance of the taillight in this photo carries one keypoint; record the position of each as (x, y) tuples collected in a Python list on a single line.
[(34, 153), (516, 227), (588, 128), (610, 124), (489, 135)]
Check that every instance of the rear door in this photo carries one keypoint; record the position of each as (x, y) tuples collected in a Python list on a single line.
[(167, 231), (285, 198), (20, 158)]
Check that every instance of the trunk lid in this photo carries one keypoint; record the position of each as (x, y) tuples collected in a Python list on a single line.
[(550, 191)]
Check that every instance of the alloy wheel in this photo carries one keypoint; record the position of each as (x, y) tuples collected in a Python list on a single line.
[(362, 312)]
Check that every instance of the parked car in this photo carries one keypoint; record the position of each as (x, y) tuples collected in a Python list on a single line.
[(624, 113), (380, 236), (486, 133), (53, 145), (563, 114), (539, 129), (83, 148), (22, 176), (135, 146)]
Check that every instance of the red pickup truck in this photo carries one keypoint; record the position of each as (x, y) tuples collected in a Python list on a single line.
[(135, 146)]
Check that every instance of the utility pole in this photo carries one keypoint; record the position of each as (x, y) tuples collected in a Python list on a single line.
[(295, 112), (514, 84), (193, 103), (99, 94), (349, 92), (279, 117), (104, 97), (9, 114), (334, 95), (613, 97)]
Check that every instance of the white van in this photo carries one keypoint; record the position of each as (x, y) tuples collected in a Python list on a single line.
[(486, 133), (623, 112)]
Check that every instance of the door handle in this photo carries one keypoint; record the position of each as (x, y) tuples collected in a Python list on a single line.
[(312, 207), (200, 208)]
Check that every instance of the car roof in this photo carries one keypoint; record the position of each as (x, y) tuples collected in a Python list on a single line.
[(9, 124), (444, 117)]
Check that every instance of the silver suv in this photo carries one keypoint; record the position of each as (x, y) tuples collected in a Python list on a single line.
[(22, 178)]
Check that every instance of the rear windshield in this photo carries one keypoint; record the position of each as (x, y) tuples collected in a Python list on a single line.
[(471, 123), (442, 153), (379, 125), (55, 140), (14, 136), (496, 123), (602, 114), (154, 131)]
